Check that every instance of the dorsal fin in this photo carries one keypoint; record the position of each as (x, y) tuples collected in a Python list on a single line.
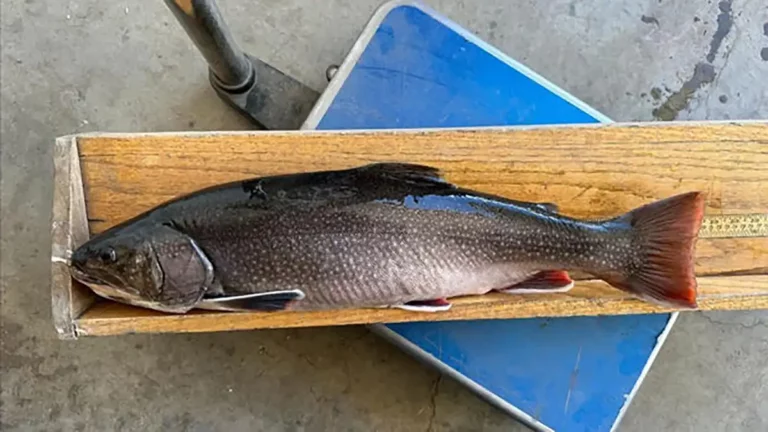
[(412, 173), (548, 207)]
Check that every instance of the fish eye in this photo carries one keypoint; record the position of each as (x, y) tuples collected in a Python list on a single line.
[(108, 255)]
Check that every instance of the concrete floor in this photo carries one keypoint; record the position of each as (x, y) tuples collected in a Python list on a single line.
[(87, 65)]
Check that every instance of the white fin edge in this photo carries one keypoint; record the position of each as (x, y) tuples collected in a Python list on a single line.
[(413, 308), (299, 296), (524, 290)]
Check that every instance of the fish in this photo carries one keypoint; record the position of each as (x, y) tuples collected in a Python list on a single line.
[(381, 235)]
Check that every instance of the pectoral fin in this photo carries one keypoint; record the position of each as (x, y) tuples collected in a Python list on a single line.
[(549, 281), (267, 301)]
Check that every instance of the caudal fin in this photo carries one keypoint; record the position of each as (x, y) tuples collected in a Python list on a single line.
[(664, 235)]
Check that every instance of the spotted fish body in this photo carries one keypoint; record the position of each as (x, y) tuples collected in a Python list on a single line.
[(384, 235)]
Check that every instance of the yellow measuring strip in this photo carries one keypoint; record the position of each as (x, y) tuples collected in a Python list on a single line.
[(741, 225)]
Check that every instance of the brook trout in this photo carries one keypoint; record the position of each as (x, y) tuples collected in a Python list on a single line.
[(380, 235)]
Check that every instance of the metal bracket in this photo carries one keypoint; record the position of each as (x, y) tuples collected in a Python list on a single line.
[(260, 92)]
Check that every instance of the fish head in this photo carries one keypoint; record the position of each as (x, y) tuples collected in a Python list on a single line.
[(155, 267)]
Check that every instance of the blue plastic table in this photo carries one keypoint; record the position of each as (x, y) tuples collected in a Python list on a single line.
[(412, 68)]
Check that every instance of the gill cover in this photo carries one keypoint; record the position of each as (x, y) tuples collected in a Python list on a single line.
[(187, 271)]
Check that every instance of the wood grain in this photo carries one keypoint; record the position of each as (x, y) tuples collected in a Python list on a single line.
[(590, 171), (69, 228)]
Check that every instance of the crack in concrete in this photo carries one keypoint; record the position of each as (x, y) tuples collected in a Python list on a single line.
[(432, 402), (307, 360), (727, 56), (757, 323)]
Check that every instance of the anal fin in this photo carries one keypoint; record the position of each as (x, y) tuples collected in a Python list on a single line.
[(548, 281), (268, 301), (436, 305)]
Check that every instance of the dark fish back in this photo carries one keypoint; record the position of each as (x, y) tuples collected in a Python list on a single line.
[(382, 240)]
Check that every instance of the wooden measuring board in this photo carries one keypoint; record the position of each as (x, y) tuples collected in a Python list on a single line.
[(590, 171)]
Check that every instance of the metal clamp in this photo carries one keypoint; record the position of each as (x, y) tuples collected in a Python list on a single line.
[(262, 93)]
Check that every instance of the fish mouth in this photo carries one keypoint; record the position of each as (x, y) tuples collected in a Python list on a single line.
[(103, 287), (100, 287), (83, 276)]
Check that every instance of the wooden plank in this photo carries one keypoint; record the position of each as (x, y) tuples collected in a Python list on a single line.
[(588, 170), (69, 228), (586, 298)]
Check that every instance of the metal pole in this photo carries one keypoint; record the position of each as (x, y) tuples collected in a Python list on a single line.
[(206, 27), (268, 97)]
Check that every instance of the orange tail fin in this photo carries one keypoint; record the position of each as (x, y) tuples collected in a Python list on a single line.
[(665, 232)]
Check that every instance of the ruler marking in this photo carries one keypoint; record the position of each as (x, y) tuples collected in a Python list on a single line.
[(734, 226)]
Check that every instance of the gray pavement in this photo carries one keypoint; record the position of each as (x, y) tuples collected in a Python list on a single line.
[(70, 66)]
